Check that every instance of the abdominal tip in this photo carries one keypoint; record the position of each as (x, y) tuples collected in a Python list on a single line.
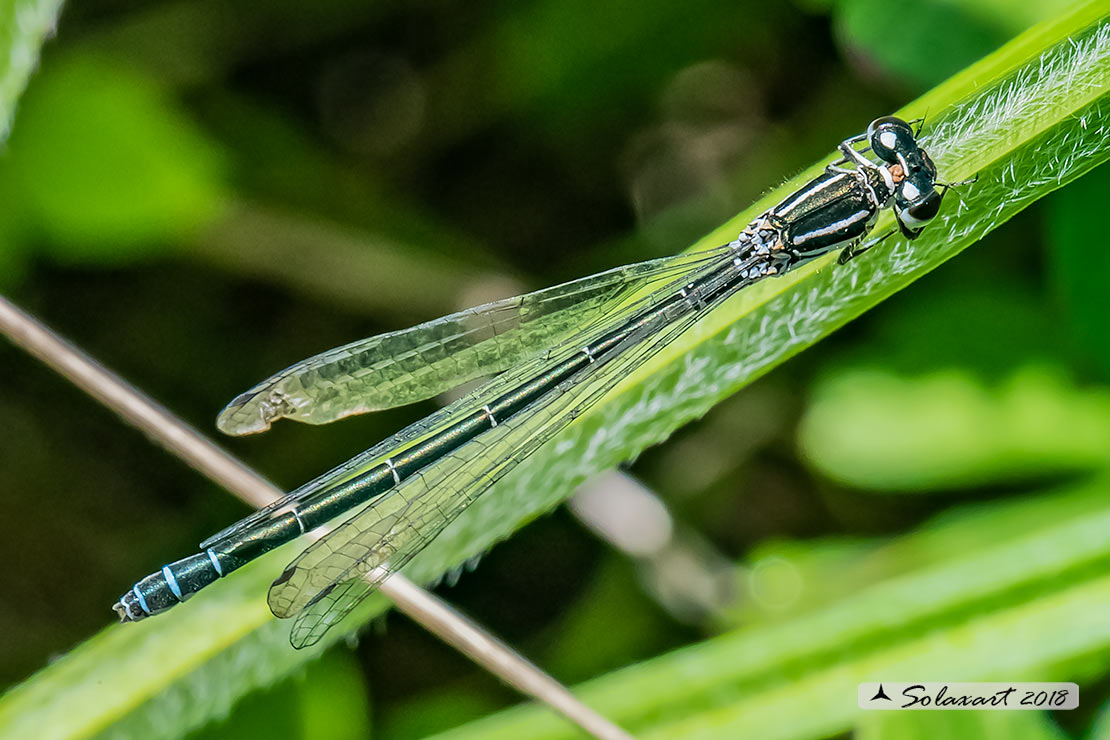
[(125, 613)]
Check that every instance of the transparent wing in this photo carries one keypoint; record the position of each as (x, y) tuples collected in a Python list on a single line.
[(708, 261), (330, 607), (425, 427), (406, 366), (334, 574)]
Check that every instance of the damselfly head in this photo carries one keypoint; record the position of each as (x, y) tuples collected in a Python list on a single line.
[(916, 201), (916, 198)]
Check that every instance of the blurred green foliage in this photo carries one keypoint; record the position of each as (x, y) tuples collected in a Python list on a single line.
[(1076, 262), (328, 701), (983, 725), (950, 431), (201, 192), (23, 26), (104, 167)]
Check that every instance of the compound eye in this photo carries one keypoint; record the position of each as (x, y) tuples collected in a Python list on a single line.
[(890, 136), (924, 209), (890, 122)]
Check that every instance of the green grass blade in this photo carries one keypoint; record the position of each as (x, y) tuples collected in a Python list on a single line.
[(1023, 725), (959, 619), (1030, 131), (950, 430), (1028, 119)]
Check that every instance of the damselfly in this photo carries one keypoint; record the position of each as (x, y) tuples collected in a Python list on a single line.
[(394, 498)]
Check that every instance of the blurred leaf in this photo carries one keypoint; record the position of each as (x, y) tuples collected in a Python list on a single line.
[(923, 43), (1044, 590), (612, 623), (957, 726), (434, 711), (23, 26), (786, 577), (1014, 17), (1100, 730), (947, 328), (1080, 263), (1042, 93), (928, 40), (332, 699), (832, 568), (875, 430), (327, 702), (105, 167)]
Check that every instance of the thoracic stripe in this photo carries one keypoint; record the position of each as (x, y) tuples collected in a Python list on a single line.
[(834, 227)]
